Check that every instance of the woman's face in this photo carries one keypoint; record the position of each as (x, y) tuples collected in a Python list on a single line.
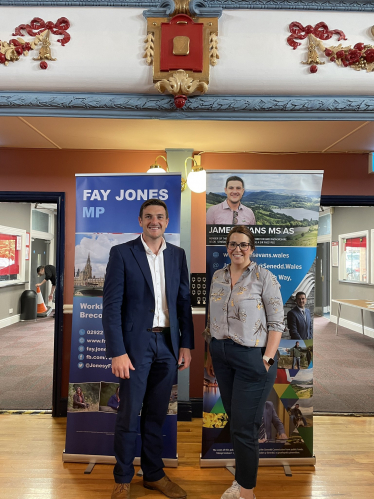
[(79, 391), (239, 256)]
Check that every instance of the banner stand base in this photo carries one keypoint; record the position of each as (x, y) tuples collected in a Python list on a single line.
[(91, 460), (286, 468), (285, 462)]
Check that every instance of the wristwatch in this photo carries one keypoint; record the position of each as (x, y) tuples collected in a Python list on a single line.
[(269, 360)]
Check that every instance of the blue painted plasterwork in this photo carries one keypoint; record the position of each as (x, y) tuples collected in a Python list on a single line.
[(207, 107), (197, 8), (338, 5)]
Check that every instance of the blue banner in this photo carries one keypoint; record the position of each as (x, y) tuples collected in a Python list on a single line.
[(282, 211), (107, 210)]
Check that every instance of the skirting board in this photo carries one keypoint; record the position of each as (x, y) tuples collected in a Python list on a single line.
[(93, 459), (222, 463), (354, 326), (8, 321)]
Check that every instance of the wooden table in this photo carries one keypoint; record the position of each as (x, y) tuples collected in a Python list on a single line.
[(361, 304)]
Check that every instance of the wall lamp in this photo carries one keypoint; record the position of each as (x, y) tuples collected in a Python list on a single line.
[(196, 179), (156, 168)]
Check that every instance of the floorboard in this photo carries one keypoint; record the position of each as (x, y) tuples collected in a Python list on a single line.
[(31, 465)]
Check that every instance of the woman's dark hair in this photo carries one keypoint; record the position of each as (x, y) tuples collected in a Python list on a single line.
[(242, 229), (153, 202)]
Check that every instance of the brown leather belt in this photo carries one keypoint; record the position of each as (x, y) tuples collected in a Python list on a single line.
[(160, 329)]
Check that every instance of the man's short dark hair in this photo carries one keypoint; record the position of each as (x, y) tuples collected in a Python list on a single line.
[(39, 268), (153, 202), (299, 293), (234, 177)]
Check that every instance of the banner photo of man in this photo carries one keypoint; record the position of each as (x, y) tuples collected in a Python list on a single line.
[(107, 211), (281, 211)]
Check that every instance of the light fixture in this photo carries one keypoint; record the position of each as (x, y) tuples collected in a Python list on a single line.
[(156, 168), (196, 179)]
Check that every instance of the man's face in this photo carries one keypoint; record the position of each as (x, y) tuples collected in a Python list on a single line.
[(297, 343), (153, 221), (41, 272), (234, 191), (301, 301)]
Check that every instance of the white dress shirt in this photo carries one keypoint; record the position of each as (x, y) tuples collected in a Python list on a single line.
[(157, 268)]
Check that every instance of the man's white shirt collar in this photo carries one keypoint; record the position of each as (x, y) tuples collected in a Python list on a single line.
[(149, 251)]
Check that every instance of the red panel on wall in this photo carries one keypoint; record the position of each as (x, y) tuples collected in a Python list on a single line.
[(182, 25)]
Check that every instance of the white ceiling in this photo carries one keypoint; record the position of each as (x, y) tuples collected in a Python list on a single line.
[(236, 136)]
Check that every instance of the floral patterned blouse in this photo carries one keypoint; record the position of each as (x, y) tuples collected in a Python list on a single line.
[(246, 312)]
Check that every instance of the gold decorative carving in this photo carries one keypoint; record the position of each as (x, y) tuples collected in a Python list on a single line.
[(312, 51), (181, 7), (362, 59), (45, 49), (154, 36), (181, 45), (149, 49), (8, 49), (213, 49), (181, 84)]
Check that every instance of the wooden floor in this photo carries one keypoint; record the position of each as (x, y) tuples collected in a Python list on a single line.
[(31, 465)]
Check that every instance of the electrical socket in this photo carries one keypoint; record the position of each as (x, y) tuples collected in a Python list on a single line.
[(10, 310)]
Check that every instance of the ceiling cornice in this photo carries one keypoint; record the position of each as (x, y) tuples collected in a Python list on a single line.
[(207, 107)]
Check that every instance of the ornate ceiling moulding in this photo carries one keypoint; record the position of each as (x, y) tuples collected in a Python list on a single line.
[(359, 57), (181, 45), (334, 5), (16, 47)]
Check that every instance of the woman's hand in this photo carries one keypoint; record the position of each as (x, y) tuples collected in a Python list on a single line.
[(209, 364)]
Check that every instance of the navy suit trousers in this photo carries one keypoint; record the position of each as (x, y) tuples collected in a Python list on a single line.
[(244, 385), (148, 390)]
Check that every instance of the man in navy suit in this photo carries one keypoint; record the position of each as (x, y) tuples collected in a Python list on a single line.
[(299, 321), (148, 329), (270, 417)]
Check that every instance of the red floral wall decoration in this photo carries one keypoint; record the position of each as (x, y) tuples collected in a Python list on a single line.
[(358, 57), (12, 50)]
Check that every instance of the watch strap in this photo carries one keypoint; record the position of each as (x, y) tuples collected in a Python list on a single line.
[(269, 360)]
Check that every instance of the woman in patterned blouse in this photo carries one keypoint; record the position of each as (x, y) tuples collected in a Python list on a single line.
[(244, 328)]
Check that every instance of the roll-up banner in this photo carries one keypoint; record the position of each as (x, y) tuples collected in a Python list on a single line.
[(282, 210), (107, 210)]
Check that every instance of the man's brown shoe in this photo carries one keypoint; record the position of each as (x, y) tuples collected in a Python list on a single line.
[(166, 487), (121, 491)]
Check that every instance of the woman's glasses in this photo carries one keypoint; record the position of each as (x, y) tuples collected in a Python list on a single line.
[(243, 246)]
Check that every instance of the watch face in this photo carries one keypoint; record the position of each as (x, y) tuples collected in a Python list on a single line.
[(271, 362)]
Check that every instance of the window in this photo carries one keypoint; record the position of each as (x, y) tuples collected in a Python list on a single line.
[(353, 262), (324, 225), (12, 251)]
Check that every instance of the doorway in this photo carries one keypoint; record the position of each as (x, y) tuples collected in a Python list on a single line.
[(322, 296), (57, 198)]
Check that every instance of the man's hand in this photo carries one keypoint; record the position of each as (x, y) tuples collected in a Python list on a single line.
[(184, 359), (282, 436), (121, 366), (267, 366)]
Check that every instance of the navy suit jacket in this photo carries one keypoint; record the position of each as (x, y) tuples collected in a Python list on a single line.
[(128, 300), (300, 328), (271, 418)]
